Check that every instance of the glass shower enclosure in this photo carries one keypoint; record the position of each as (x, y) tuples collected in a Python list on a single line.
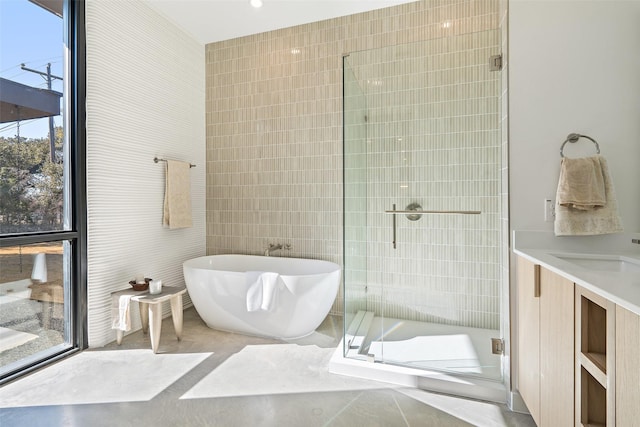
[(422, 205)]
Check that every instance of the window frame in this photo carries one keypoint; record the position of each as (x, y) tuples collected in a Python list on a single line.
[(75, 117)]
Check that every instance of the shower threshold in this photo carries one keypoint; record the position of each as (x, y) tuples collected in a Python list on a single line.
[(443, 358)]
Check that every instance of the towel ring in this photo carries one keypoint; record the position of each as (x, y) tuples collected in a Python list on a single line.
[(574, 137)]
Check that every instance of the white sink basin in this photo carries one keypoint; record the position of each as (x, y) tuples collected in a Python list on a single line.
[(597, 262)]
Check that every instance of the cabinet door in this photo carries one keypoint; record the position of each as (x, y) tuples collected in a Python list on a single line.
[(627, 367), (557, 360), (528, 279)]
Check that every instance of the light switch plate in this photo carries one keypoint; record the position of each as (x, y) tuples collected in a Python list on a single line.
[(549, 210)]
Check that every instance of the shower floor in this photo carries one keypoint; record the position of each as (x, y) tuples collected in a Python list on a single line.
[(422, 345)]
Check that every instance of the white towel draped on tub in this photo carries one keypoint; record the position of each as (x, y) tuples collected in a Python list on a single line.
[(579, 209), (262, 290), (177, 195), (120, 312)]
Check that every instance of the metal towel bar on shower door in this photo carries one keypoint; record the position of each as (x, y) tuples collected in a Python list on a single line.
[(415, 214)]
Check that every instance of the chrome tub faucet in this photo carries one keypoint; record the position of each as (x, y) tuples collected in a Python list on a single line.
[(272, 248)]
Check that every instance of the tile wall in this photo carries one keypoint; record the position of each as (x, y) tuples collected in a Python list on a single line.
[(274, 123)]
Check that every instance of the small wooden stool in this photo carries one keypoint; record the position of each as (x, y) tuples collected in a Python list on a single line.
[(151, 309)]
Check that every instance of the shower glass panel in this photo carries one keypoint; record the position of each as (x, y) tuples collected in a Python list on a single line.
[(355, 206), (422, 132)]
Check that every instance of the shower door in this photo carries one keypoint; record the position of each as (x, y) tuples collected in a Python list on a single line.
[(422, 200)]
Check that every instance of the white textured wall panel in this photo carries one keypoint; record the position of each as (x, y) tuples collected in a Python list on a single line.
[(145, 98)]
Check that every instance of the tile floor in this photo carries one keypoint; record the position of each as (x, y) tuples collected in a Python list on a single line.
[(213, 378)]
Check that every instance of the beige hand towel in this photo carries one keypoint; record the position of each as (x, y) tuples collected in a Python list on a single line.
[(599, 220), (581, 184), (177, 195)]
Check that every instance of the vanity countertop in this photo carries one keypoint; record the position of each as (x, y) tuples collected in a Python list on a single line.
[(620, 287)]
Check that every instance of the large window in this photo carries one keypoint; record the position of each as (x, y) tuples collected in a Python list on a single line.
[(42, 190)]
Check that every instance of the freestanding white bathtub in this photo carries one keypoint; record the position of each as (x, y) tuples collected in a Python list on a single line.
[(305, 291)]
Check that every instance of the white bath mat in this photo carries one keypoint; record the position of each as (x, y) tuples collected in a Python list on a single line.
[(100, 377), (10, 338), (276, 369)]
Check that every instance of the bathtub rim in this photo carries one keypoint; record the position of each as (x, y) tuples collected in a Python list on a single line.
[(192, 263)]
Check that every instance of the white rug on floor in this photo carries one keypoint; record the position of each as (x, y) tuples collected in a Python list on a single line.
[(276, 369), (10, 338), (100, 377)]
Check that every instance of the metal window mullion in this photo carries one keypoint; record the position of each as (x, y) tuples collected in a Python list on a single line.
[(32, 238)]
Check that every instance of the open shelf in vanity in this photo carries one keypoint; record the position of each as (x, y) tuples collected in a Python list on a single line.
[(595, 359)]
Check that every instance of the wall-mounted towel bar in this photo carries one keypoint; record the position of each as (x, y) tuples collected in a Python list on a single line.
[(574, 137), (157, 159)]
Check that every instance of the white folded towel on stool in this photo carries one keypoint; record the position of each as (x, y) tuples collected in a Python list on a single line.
[(262, 292), (120, 313)]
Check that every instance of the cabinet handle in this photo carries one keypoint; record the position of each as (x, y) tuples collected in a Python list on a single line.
[(536, 281)]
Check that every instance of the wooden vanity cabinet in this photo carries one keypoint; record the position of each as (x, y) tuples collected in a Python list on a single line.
[(546, 344), (627, 378), (578, 353), (528, 280)]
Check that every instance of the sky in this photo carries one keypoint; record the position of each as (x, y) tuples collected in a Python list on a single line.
[(31, 35)]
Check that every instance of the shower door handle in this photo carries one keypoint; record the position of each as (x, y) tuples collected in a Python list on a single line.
[(394, 227), (415, 214)]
